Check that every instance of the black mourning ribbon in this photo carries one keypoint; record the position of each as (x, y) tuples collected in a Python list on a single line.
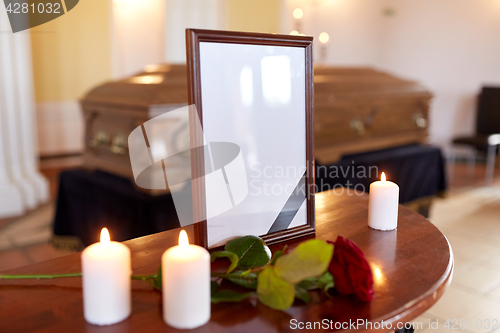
[(292, 206)]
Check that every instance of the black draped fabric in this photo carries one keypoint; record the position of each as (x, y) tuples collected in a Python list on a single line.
[(88, 201), (417, 169)]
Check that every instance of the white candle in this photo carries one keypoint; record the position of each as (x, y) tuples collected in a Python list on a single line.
[(383, 205), (106, 272), (186, 285)]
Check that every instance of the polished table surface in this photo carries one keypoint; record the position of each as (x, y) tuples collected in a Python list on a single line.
[(412, 267)]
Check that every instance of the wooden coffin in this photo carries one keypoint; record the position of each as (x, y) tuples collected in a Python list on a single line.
[(362, 109), (114, 109), (356, 110)]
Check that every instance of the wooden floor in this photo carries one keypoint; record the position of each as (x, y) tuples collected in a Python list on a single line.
[(25, 240), (466, 178), (470, 218)]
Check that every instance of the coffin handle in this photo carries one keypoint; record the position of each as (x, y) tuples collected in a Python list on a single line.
[(419, 120), (101, 137), (358, 126), (118, 144)]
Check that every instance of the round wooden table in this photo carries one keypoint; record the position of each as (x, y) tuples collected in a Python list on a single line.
[(412, 267)]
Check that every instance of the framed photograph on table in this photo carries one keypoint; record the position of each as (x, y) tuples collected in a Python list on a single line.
[(255, 91)]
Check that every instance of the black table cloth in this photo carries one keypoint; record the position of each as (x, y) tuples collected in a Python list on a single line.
[(88, 201), (417, 169)]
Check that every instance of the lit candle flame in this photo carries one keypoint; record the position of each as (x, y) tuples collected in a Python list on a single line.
[(383, 177), (298, 13), (324, 38), (183, 240), (105, 239)]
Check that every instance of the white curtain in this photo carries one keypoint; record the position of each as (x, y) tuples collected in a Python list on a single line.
[(21, 185)]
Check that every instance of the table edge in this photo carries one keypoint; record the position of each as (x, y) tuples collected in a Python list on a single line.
[(422, 303)]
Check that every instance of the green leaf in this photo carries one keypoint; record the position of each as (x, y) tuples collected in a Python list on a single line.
[(226, 254), (274, 291), (157, 280), (326, 282), (309, 283), (276, 255), (246, 280), (213, 287), (309, 259), (302, 294), (251, 251), (245, 273), (226, 295)]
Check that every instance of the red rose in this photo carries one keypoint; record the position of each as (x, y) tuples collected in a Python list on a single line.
[(351, 272)]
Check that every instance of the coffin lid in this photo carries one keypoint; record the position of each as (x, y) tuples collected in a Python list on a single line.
[(164, 84), (353, 82), (157, 85)]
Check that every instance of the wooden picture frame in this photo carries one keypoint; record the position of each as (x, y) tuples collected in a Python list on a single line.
[(231, 40)]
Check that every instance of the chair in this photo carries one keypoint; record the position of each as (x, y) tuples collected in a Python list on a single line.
[(487, 137)]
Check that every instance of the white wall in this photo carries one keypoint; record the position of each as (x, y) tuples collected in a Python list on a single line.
[(450, 46), (137, 35), (182, 14), (350, 24), (61, 128)]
